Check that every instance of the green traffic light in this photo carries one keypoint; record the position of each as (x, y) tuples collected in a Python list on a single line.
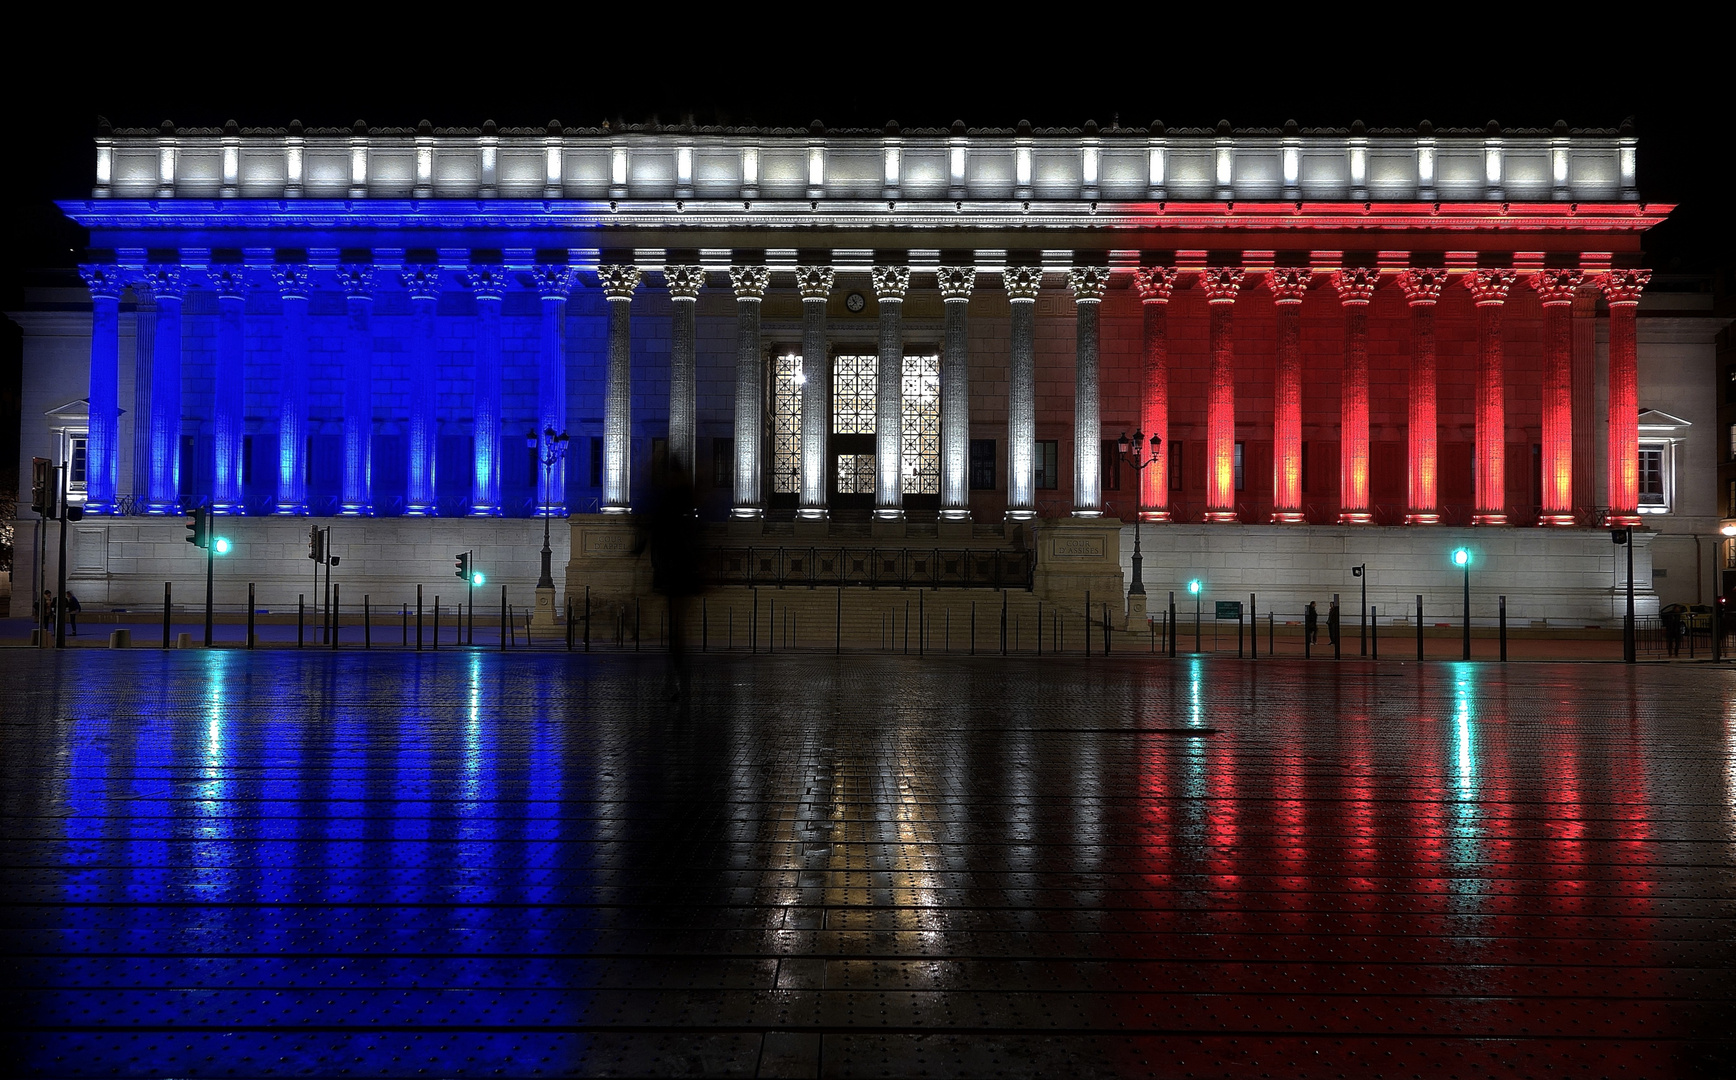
[(221, 545), (1194, 586), (1461, 557), (476, 578)]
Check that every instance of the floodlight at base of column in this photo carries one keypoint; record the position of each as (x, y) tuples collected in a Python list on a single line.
[(1222, 517), (1289, 517), (1356, 517), (1087, 513), (1154, 516), (1558, 521), (1422, 518), (746, 513), (1489, 519), (1021, 515)]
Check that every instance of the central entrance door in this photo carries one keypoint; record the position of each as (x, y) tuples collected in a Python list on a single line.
[(850, 446)]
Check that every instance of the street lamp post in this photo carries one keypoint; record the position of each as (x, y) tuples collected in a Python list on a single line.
[(1361, 574), (1134, 451), (550, 448), (1194, 587), (1462, 559), (1625, 537)]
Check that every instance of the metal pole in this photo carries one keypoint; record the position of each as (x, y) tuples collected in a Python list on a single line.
[(1253, 627), (1171, 629), (327, 549), (404, 623), (1238, 635), (470, 600), (1502, 602), (1196, 623), (1419, 627), (367, 624), (337, 602), (60, 575), (503, 624), (1467, 613), (1271, 633), (1362, 617), (250, 614), (166, 609), (436, 626), (1374, 631), (210, 575), (1337, 632), (300, 617), (418, 618), (1628, 627)]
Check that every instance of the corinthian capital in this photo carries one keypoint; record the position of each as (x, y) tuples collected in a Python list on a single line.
[(750, 282), (1221, 283), (1556, 286), (421, 280), (890, 282), (1288, 284), (228, 281), (1023, 282), (1490, 286), (1154, 284), (164, 280), (1624, 286), (815, 282), (684, 282), (102, 279), (356, 279), (1422, 285), (1088, 283), (956, 282), (290, 280), (618, 280), (1355, 284), (554, 281), (488, 282)]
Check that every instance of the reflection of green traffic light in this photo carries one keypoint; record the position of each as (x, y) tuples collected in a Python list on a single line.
[(1194, 586), (1461, 557), (221, 544), (476, 578)]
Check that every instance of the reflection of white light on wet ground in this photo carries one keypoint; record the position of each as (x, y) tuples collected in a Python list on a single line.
[(1464, 844)]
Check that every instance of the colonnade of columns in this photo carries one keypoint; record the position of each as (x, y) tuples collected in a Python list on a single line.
[(1155, 285)]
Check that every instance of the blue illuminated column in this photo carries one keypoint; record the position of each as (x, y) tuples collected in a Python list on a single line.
[(291, 282), (750, 284), (684, 283), (167, 286), (1022, 283), (956, 283), (1087, 283), (815, 283), (228, 398), (890, 285), (423, 284), (555, 283), (357, 281), (102, 454), (618, 283), (489, 285)]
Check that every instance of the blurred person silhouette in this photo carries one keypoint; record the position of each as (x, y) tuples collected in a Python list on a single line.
[(1311, 622), (73, 607), (1332, 624), (672, 531)]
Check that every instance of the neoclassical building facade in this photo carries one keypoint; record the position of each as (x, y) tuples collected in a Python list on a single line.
[(1284, 349)]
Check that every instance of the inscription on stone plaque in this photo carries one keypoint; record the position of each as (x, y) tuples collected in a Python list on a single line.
[(1078, 547), (610, 542)]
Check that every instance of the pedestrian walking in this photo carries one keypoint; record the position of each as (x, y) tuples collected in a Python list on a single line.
[(48, 611), (1671, 620), (1311, 621), (1332, 624), (73, 607)]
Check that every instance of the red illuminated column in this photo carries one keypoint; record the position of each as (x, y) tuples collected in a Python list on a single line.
[(1489, 291), (1355, 287), (1154, 285), (1422, 289), (1221, 285), (1288, 283), (1556, 288), (1622, 289)]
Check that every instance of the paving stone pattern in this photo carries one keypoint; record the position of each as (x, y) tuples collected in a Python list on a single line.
[(473, 864)]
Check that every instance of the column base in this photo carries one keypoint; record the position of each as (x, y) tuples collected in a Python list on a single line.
[(811, 513), (1222, 517), (218, 509), (746, 513), (1555, 520), (546, 616), (614, 510), (415, 511), (1422, 517), (1289, 517), (1489, 519), (173, 509), (955, 514), (553, 510), (1355, 517), (1623, 519), (484, 511), (1087, 513), (364, 510), (893, 513), (1154, 516), (1021, 515)]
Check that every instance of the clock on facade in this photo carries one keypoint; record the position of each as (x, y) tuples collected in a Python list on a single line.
[(855, 302)]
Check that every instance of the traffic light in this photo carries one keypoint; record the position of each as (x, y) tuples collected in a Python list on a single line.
[(316, 544), (220, 545), (43, 493), (198, 528), (463, 571)]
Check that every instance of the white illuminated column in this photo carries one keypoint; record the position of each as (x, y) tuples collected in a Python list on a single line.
[(956, 283), (555, 283), (1087, 283), (750, 284), (228, 390), (684, 283), (423, 285), (1022, 284), (489, 285), (618, 283), (815, 283), (357, 282), (890, 285), (102, 453)]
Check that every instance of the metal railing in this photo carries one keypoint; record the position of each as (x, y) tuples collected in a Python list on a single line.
[(872, 567)]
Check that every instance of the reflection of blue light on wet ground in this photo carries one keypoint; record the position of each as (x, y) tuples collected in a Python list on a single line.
[(403, 865)]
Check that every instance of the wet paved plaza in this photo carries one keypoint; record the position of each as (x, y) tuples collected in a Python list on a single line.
[(473, 864)]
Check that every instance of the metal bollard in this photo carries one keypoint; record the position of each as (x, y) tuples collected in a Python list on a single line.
[(250, 610), (1253, 628), (1374, 630), (504, 624), (404, 618), (1419, 627), (337, 606), (166, 610), (1501, 602), (300, 617), (436, 626), (367, 624), (418, 618)]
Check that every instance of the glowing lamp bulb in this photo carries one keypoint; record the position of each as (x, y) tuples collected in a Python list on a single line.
[(1461, 557), (221, 545), (1728, 530), (476, 579), (1194, 586)]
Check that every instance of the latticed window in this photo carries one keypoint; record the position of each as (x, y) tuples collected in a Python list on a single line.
[(920, 447), (855, 474), (787, 424), (855, 382)]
